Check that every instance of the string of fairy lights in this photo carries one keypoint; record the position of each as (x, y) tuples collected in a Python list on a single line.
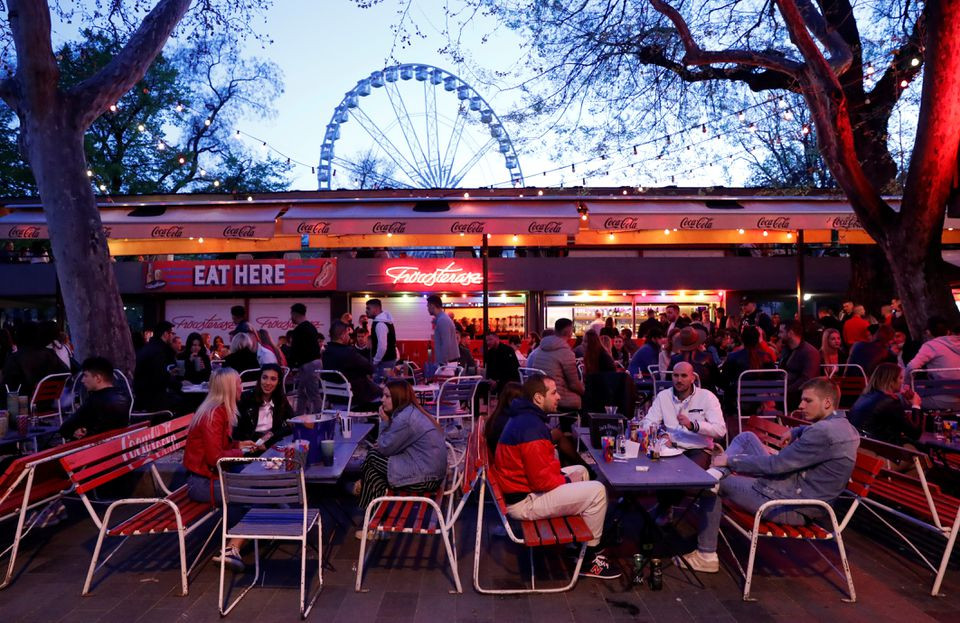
[(665, 145)]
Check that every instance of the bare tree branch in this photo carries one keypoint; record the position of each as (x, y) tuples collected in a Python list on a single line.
[(37, 71), (695, 55)]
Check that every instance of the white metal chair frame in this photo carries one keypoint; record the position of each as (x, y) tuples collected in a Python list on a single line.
[(36, 392), (279, 492), (339, 388), (754, 535), (831, 370), (103, 525), (445, 522), (249, 378), (28, 474), (948, 532), (915, 373), (519, 541), (526, 373), (763, 375), (453, 391)]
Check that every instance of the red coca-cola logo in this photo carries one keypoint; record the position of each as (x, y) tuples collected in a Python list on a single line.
[(776, 222), (548, 227), (472, 227), (626, 222), (239, 231), (24, 232), (396, 227), (313, 229), (846, 222), (171, 231), (703, 222)]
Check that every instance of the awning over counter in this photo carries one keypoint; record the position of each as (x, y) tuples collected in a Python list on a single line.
[(455, 217), (154, 222), (776, 214)]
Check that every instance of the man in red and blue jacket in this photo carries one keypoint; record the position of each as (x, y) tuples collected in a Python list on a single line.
[(534, 485)]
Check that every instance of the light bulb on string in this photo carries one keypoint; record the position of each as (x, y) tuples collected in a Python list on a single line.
[(216, 183), (179, 107), (161, 146), (915, 62), (142, 128), (89, 173), (207, 122)]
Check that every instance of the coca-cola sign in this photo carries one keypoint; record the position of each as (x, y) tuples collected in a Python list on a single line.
[(622, 222), (169, 231), (467, 227), (547, 227), (701, 222), (239, 231), (313, 229), (450, 274), (846, 222), (24, 232), (396, 227), (773, 222)]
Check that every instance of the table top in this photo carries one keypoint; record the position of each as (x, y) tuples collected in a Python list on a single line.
[(13, 436), (675, 472), (318, 472), (195, 389), (930, 439), (428, 387)]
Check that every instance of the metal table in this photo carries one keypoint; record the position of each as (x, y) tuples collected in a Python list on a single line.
[(318, 472), (14, 437)]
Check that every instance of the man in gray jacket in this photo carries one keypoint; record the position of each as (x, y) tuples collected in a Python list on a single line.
[(816, 464), (556, 359), (943, 351), (445, 343)]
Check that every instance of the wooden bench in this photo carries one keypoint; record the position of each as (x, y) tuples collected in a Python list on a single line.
[(753, 526), (914, 499), (533, 533), (36, 480), (174, 512)]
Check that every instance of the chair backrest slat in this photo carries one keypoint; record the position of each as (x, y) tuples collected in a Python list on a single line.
[(50, 387), (773, 435), (97, 465), (460, 389), (280, 487), (864, 472)]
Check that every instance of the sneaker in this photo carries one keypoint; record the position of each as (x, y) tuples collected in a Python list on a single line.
[(701, 561), (372, 535), (600, 568), (231, 559)]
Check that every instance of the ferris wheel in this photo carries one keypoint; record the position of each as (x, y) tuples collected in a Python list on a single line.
[(439, 133)]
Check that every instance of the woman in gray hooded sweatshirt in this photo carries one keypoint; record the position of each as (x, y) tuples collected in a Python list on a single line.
[(410, 452)]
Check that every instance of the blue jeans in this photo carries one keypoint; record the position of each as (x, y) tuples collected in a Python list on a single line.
[(739, 491)]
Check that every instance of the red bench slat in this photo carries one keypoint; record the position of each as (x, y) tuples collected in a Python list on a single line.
[(561, 530), (579, 528), (159, 517), (530, 535), (547, 537)]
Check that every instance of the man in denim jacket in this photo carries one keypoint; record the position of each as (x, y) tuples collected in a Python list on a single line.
[(817, 464)]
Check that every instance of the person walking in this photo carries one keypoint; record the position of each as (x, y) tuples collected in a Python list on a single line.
[(383, 337), (305, 355), (445, 343)]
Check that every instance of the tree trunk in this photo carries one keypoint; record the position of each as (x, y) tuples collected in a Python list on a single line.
[(98, 325), (922, 278), (870, 283)]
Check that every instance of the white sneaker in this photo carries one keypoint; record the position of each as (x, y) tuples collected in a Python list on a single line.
[(231, 558), (702, 561)]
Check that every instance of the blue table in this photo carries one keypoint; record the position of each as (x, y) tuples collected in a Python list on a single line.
[(318, 472), (675, 472)]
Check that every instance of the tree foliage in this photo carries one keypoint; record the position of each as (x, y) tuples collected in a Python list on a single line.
[(189, 101)]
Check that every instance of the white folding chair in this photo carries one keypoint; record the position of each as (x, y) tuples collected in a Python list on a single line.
[(455, 400), (249, 378), (758, 387), (526, 373), (264, 492), (335, 389), (49, 390)]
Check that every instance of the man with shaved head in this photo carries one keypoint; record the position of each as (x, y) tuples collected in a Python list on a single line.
[(692, 417)]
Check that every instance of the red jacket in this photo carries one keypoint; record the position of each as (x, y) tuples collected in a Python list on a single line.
[(209, 441), (525, 461)]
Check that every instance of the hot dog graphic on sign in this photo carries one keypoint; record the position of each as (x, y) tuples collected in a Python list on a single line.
[(325, 276)]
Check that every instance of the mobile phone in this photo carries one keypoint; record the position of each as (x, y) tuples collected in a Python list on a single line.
[(262, 442)]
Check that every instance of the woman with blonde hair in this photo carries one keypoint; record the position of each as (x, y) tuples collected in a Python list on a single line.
[(243, 353), (831, 351), (881, 411), (209, 439)]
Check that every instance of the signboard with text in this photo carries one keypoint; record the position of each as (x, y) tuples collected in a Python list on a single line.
[(429, 275), (231, 276)]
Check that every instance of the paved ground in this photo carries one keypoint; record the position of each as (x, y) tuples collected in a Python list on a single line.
[(407, 581)]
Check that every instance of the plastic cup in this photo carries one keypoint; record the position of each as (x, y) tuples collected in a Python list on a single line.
[(327, 447), (23, 424), (4, 423)]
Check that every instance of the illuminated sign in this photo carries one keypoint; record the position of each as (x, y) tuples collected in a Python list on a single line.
[(244, 275)]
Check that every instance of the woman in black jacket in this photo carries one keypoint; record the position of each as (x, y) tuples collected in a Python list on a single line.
[(196, 359), (264, 409), (881, 411)]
